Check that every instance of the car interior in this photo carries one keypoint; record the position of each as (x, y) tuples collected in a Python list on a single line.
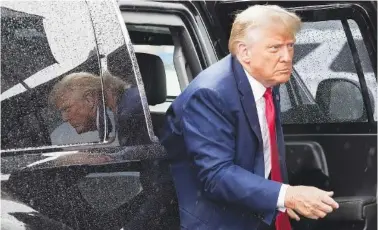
[(151, 66), (154, 79)]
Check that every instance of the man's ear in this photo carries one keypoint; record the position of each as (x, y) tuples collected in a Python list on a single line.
[(243, 52), (90, 99)]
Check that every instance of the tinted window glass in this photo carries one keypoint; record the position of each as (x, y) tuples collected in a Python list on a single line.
[(40, 45), (367, 68), (124, 96), (285, 98), (324, 65)]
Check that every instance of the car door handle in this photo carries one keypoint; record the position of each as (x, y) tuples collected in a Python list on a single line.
[(354, 208)]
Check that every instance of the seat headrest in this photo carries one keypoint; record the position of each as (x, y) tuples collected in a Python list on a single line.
[(153, 75)]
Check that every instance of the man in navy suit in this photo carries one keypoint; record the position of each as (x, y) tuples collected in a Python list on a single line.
[(224, 134)]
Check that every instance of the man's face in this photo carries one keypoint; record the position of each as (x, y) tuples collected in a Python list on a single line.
[(79, 111), (270, 56)]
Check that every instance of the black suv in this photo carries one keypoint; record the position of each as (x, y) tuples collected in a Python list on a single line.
[(54, 178)]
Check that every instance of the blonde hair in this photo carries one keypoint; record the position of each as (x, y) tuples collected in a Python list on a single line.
[(85, 83), (257, 16)]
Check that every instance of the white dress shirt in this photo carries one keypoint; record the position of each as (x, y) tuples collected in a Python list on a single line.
[(258, 92)]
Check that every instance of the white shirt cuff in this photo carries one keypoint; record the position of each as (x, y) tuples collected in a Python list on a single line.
[(281, 198)]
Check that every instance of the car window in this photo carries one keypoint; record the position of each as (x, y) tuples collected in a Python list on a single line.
[(284, 98), (367, 68), (157, 41), (165, 52), (322, 55), (40, 46), (126, 109)]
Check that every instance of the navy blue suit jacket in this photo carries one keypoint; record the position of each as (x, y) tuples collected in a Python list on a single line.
[(130, 118), (213, 137)]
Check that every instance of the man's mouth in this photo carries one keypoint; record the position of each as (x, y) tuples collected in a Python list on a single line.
[(284, 71), (76, 126)]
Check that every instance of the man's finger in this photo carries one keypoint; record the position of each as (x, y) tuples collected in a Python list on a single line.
[(306, 213), (319, 213), (324, 207), (331, 202), (311, 216), (293, 215)]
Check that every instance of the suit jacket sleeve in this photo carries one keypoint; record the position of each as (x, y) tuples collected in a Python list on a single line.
[(209, 133)]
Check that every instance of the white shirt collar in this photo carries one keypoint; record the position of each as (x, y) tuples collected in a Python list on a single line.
[(258, 89)]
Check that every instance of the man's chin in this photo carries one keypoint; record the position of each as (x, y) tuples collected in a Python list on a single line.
[(282, 79), (79, 130)]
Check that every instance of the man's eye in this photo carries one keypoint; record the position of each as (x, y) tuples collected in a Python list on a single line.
[(65, 110), (274, 48), (291, 45)]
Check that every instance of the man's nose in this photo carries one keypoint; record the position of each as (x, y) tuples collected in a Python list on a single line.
[(64, 116), (286, 55)]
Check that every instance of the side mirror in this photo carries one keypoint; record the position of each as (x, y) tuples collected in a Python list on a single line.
[(341, 100)]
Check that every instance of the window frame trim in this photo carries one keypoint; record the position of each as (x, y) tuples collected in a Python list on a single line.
[(187, 16)]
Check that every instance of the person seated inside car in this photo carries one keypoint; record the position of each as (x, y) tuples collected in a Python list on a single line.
[(78, 96)]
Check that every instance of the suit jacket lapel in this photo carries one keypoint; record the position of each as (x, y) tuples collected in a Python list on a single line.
[(249, 107), (247, 98), (276, 101)]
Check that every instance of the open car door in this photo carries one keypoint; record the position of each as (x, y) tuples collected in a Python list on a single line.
[(328, 107)]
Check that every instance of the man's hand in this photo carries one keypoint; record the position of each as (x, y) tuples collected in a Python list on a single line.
[(292, 214), (310, 202)]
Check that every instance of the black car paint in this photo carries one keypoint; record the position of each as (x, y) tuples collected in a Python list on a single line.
[(156, 208), (131, 186)]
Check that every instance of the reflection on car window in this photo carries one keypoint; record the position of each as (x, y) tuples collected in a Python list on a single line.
[(40, 46), (367, 68), (124, 100), (322, 53), (285, 98)]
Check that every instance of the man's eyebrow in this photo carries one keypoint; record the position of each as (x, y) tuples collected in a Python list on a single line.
[(280, 43), (275, 43)]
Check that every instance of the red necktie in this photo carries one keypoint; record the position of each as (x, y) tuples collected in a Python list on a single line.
[(282, 219)]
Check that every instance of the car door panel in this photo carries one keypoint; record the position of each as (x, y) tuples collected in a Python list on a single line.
[(346, 176), (307, 164)]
